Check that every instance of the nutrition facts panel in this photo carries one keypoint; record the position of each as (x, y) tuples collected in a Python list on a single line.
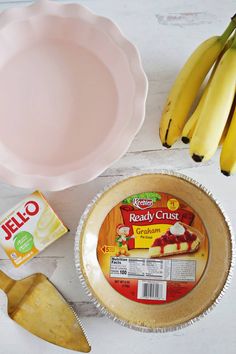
[(146, 268)]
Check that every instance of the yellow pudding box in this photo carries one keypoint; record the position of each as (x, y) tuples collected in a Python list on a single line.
[(28, 228)]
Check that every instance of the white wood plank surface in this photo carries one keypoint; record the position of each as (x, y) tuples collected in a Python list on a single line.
[(166, 32)]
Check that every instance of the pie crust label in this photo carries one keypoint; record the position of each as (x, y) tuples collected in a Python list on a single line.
[(152, 248)]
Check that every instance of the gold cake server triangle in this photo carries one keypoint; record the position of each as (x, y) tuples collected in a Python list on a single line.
[(36, 305)]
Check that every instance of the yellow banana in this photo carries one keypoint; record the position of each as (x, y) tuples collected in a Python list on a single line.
[(216, 108), (187, 84), (226, 128), (228, 152), (189, 127), (191, 123), (227, 125)]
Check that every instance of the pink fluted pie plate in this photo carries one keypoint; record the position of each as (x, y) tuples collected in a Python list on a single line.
[(72, 95)]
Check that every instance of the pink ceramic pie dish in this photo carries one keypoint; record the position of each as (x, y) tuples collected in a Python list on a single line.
[(73, 95)]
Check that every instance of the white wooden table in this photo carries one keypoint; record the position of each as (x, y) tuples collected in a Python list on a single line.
[(166, 32)]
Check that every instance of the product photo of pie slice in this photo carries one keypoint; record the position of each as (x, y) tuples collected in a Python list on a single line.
[(179, 238)]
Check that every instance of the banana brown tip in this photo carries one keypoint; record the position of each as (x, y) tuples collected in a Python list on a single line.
[(185, 139), (197, 158), (166, 145), (226, 173)]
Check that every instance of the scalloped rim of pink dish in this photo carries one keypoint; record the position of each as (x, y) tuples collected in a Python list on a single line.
[(119, 148)]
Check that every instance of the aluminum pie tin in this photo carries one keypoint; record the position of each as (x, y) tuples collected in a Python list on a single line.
[(177, 314)]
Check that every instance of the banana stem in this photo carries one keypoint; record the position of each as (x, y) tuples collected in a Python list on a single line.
[(233, 18), (229, 30), (234, 42)]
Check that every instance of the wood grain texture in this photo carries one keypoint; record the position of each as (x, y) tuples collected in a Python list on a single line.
[(165, 36)]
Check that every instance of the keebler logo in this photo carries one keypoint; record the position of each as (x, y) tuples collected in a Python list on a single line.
[(13, 224), (142, 203)]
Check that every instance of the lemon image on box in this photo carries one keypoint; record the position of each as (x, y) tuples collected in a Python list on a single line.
[(48, 228)]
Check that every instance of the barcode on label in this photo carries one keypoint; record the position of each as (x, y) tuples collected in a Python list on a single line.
[(152, 290)]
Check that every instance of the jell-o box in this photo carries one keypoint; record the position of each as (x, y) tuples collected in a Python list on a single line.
[(28, 228)]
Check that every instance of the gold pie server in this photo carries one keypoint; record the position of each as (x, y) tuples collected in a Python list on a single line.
[(36, 305)]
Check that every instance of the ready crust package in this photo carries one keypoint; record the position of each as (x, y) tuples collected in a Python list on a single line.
[(150, 252), (152, 225)]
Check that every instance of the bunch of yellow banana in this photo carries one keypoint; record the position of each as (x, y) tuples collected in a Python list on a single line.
[(213, 121)]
